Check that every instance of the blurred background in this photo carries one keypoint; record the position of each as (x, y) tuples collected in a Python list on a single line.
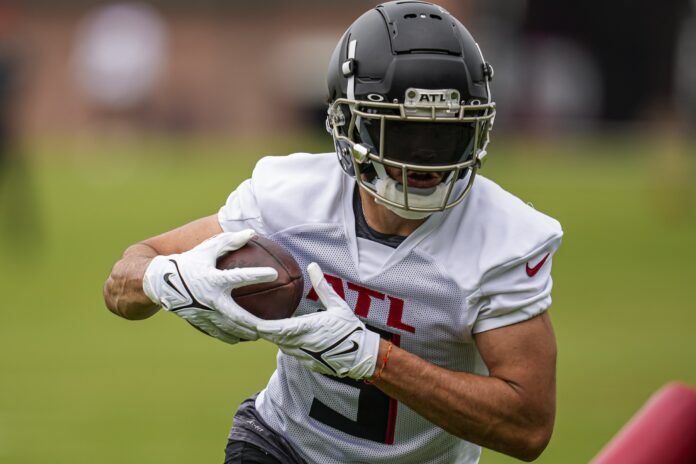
[(119, 120)]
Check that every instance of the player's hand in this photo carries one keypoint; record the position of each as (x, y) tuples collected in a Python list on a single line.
[(189, 285), (333, 342)]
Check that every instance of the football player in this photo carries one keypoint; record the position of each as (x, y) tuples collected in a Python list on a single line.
[(424, 334)]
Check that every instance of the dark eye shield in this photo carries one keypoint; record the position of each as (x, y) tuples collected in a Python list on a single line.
[(423, 143)]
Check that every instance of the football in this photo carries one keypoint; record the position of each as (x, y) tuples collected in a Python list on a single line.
[(270, 300)]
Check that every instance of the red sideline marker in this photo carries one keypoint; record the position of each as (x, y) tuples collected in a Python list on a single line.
[(663, 431)]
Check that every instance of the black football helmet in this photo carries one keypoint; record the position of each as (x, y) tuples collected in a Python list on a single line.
[(409, 89)]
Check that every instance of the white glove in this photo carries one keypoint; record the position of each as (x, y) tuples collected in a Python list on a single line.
[(190, 286), (333, 342)]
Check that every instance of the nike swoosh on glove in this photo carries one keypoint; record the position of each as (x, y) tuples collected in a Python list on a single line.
[(190, 286), (333, 342)]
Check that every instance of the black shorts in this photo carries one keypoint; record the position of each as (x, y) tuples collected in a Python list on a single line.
[(241, 452), (252, 441)]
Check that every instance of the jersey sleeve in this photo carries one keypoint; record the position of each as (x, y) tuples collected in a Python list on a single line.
[(241, 211), (516, 291)]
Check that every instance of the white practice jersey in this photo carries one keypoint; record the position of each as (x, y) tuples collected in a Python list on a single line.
[(481, 265)]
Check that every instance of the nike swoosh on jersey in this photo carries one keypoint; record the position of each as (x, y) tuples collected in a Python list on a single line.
[(532, 271)]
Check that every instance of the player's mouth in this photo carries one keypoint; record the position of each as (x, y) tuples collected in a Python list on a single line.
[(423, 180)]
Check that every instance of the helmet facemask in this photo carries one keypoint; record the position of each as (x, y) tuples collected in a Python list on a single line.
[(431, 132)]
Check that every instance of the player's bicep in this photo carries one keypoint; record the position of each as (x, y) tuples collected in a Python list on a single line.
[(524, 356), (185, 237)]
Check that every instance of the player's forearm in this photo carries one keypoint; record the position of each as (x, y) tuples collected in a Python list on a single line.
[(123, 290), (487, 411)]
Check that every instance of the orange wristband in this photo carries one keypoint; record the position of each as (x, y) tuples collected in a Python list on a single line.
[(381, 369)]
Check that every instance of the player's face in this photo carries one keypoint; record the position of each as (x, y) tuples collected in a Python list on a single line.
[(427, 144)]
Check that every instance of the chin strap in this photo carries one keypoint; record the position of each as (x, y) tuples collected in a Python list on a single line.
[(393, 191), (404, 213)]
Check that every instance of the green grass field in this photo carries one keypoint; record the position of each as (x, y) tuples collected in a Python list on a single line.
[(79, 385)]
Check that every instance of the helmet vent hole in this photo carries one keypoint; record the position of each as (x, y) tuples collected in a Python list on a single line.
[(422, 16)]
